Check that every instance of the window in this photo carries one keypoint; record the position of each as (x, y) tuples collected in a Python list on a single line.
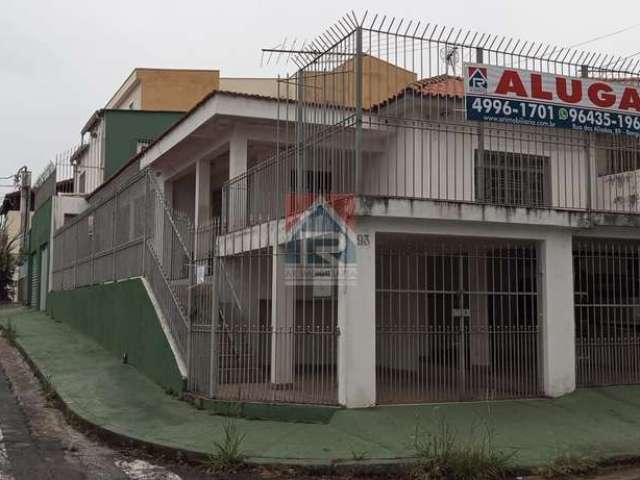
[(619, 159), (509, 178)]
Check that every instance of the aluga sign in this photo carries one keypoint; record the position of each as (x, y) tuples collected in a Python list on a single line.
[(510, 95)]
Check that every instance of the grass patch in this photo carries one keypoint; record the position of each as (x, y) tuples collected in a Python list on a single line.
[(443, 454), (228, 454), (568, 466), (9, 332)]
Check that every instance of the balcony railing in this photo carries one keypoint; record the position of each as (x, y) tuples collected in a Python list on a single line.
[(65, 176), (453, 162)]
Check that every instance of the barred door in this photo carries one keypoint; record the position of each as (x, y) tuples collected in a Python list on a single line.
[(607, 311), (456, 319)]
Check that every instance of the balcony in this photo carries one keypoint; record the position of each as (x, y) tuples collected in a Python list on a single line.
[(450, 162)]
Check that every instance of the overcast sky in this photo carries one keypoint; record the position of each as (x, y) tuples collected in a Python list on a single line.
[(61, 60)]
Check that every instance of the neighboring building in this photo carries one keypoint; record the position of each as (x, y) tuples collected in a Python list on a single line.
[(159, 89), (110, 138), (11, 219)]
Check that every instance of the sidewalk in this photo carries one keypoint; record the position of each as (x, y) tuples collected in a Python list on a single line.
[(96, 386)]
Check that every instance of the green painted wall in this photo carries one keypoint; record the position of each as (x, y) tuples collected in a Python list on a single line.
[(125, 128), (40, 227), (39, 236), (121, 318)]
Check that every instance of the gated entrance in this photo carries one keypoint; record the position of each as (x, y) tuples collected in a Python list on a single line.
[(607, 306), (456, 319)]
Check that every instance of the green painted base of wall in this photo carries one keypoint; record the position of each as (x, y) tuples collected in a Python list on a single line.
[(121, 318), (278, 412)]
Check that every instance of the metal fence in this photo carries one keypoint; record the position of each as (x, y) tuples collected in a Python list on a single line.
[(607, 306), (456, 319), (273, 340), (215, 294), (129, 234), (65, 176), (379, 111)]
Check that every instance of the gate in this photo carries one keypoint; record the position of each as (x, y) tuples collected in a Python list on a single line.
[(607, 311), (456, 319)]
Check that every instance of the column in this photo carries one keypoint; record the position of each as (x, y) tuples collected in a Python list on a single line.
[(238, 190), (557, 309), (478, 306), (282, 321), (357, 322), (203, 192)]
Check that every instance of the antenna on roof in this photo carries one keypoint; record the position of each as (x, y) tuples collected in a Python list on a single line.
[(451, 56)]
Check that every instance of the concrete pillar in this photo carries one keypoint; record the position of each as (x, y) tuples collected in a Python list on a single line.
[(357, 322), (282, 321), (203, 192), (557, 309), (478, 309), (238, 190)]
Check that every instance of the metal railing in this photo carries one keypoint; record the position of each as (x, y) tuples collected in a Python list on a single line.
[(378, 110), (130, 234), (607, 306), (248, 346), (65, 176)]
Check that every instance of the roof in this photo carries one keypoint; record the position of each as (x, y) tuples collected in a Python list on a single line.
[(442, 85), (188, 114), (445, 86)]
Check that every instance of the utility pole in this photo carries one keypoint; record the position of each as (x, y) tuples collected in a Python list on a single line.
[(23, 178)]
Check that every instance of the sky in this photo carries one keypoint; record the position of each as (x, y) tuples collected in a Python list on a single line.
[(62, 60)]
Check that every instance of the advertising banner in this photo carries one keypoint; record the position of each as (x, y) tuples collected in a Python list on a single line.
[(509, 95)]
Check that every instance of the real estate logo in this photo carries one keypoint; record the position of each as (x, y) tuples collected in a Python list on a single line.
[(477, 80), (320, 247)]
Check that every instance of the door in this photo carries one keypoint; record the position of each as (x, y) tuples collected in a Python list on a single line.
[(44, 277)]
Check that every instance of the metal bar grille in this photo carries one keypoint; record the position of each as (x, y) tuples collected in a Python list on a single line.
[(607, 306), (256, 337), (456, 319)]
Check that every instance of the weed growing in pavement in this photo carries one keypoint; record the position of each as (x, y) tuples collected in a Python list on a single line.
[(227, 455), (358, 455), (9, 332), (568, 466), (48, 390), (443, 454)]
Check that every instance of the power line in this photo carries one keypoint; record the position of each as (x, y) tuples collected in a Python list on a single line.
[(602, 37)]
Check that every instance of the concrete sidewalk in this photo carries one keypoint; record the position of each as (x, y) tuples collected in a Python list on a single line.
[(95, 385)]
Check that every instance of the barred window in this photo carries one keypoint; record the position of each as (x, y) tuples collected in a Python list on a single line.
[(509, 178), (618, 154)]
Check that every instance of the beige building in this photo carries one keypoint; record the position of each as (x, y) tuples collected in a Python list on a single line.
[(163, 89)]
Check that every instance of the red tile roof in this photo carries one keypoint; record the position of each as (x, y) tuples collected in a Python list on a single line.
[(446, 86)]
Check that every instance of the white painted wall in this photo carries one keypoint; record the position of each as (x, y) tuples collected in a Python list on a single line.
[(91, 163), (438, 162)]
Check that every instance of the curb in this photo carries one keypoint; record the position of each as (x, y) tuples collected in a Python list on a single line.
[(122, 441), (373, 467)]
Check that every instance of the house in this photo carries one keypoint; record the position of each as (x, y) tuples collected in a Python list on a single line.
[(374, 235), (10, 218)]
